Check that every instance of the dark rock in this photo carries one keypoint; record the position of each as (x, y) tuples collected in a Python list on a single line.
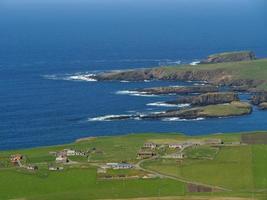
[(259, 98), (208, 99), (230, 57), (263, 106), (179, 90)]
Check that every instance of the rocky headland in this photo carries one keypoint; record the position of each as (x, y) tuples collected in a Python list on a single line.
[(229, 57), (235, 71), (207, 99)]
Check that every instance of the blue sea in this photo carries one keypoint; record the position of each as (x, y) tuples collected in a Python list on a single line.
[(47, 46)]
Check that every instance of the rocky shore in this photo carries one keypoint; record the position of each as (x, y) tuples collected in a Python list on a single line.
[(207, 99), (233, 71), (179, 90), (235, 108)]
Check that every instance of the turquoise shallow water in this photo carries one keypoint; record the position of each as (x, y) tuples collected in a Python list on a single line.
[(43, 43)]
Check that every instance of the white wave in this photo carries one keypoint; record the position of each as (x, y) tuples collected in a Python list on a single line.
[(161, 104), (106, 117), (124, 81), (71, 77), (146, 80), (194, 63), (85, 77), (199, 84), (182, 105), (135, 93), (181, 120)]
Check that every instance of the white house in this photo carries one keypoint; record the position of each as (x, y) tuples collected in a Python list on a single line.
[(175, 146)]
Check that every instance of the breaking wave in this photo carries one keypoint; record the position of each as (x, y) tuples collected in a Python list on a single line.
[(170, 119), (163, 104), (135, 93), (194, 63), (89, 77), (107, 117)]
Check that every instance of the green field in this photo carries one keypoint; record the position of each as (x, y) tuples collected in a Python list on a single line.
[(240, 169)]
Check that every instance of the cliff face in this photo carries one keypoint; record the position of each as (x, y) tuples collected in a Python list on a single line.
[(162, 73), (208, 99), (230, 57)]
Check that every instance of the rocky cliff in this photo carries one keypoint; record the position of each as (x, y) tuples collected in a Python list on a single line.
[(208, 99)]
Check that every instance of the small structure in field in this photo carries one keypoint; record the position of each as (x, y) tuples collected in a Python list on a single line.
[(32, 167), (145, 154), (54, 168), (150, 145), (62, 159), (175, 156), (15, 159), (70, 152), (175, 146), (119, 165)]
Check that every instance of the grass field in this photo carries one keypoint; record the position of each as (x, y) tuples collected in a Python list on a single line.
[(235, 168), (81, 184), (241, 169)]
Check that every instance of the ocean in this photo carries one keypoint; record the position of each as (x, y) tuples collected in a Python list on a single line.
[(46, 48)]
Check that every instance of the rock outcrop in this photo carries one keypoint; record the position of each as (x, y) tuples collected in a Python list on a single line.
[(230, 57), (179, 90), (259, 98), (263, 106), (207, 99), (211, 111)]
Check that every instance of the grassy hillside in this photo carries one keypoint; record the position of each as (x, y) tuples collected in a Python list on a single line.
[(240, 168)]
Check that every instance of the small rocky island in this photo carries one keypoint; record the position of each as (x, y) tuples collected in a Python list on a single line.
[(233, 71)]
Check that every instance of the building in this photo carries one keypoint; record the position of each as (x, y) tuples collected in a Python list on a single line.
[(53, 168), (145, 154), (32, 167), (62, 159), (15, 159), (70, 152), (175, 146), (150, 145), (175, 156)]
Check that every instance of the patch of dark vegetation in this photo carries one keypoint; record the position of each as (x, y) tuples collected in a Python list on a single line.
[(192, 188), (254, 138)]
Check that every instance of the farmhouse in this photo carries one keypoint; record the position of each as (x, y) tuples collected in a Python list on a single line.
[(62, 159), (15, 159), (70, 152), (150, 145), (32, 167), (175, 156), (145, 154), (175, 146)]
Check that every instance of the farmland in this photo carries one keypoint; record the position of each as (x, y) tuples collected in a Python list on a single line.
[(215, 166)]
